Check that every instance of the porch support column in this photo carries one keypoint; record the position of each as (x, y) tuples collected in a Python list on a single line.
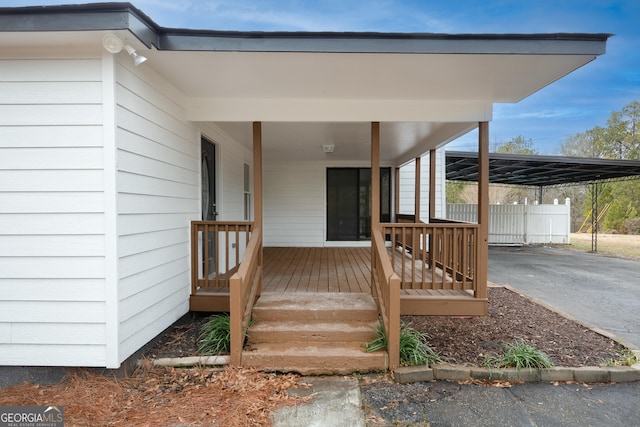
[(257, 174), (432, 195), (432, 184), (416, 209), (483, 209), (396, 206), (375, 175)]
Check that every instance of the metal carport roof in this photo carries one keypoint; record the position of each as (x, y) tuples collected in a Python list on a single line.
[(540, 171)]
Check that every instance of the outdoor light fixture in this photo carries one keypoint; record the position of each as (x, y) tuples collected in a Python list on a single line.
[(137, 58), (113, 44), (328, 148)]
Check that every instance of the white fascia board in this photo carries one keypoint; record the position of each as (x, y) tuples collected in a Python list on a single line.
[(337, 110)]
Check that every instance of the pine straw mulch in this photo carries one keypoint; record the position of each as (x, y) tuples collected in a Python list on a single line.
[(163, 397)]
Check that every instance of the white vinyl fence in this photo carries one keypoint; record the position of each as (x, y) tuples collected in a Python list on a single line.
[(520, 224)]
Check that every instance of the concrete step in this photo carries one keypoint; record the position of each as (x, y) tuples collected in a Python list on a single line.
[(321, 306), (313, 359), (312, 331)]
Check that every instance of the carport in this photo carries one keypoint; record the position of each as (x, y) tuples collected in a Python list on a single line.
[(544, 171)]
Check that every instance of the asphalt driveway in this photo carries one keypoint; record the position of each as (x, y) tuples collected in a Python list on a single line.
[(601, 291)]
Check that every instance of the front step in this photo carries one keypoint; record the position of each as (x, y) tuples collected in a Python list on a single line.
[(329, 306), (327, 358), (313, 333)]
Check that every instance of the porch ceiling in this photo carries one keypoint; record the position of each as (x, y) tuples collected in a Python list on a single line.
[(308, 99)]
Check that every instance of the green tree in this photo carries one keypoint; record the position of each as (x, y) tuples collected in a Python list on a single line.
[(620, 139), (517, 145), (454, 191)]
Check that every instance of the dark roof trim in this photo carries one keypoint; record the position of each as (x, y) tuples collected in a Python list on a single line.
[(517, 169), (84, 17), (125, 16)]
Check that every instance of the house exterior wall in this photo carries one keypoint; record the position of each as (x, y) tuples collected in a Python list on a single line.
[(295, 210), (52, 209), (407, 186), (158, 194), (99, 180), (294, 203)]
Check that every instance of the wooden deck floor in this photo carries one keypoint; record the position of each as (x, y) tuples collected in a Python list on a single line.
[(317, 270), (346, 270), (328, 270)]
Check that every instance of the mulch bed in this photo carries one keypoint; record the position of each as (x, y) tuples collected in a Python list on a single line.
[(466, 340), (463, 340)]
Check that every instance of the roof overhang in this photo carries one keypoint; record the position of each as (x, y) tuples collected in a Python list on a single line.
[(425, 89), (530, 170)]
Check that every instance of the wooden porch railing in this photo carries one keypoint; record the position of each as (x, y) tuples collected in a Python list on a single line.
[(217, 247), (442, 254), (385, 289), (245, 287)]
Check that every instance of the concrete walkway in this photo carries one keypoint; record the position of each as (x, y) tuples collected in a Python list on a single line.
[(600, 291), (335, 402)]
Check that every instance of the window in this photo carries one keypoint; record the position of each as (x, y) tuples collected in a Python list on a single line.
[(247, 192)]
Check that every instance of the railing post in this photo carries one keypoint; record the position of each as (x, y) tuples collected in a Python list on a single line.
[(236, 314), (393, 334)]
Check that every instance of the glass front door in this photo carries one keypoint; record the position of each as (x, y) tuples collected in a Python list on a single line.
[(349, 202)]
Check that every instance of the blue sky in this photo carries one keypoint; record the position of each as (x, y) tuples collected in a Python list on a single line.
[(574, 104)]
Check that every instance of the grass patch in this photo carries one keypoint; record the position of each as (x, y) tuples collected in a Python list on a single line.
[(414, 347), (215, 335), (519, 354), (624, 245), (627, 359)]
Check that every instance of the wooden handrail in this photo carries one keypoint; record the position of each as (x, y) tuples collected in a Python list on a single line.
[(435, 256), (385, 289), (245, 287)]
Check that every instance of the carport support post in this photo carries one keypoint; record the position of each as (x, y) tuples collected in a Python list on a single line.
[(482, 266)]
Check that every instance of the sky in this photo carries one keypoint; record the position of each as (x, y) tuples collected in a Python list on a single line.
[(574, 104)]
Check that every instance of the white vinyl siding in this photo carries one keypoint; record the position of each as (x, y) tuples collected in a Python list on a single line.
[(52, 243), (294, 203), (407, 187), (158, 185)]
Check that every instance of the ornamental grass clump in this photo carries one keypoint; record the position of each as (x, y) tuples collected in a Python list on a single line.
[(215, 335), (414, 349), (519, 354)]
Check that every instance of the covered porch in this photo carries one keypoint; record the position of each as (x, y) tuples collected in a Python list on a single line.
[(417, 264), (411, 267), (348, 270)]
